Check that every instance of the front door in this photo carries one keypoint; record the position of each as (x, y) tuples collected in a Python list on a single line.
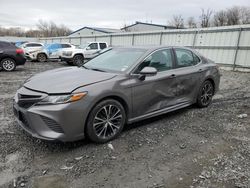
[(158, 91)]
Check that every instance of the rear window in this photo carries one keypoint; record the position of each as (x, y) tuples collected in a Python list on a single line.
[(103, 45), (66, 46)]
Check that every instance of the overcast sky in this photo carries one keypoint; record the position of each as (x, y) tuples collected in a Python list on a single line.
[(103, 13)]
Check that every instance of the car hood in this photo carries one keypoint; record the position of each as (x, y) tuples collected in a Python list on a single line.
[(65, 80)]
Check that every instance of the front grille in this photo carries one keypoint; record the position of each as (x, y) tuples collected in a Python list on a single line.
[(22, 96), (52, 124), (26, 101)]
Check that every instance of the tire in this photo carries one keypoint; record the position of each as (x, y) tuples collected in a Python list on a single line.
[(8, 64), (69, 63), (41, 57), (100, 128), (78, 60), (205, 94)]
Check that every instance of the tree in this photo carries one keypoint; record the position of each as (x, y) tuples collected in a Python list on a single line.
[(50, 29), (191, 22), (205, 17), (220, 18), (233, 16), (177, 21), (245, 15)]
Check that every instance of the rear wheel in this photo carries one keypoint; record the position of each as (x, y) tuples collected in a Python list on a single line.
[(8, 64), (78, 60), (105, 121), (205, 95), (41, 57)]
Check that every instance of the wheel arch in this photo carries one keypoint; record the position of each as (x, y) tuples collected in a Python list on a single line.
[(212, 81), (114, 97), (78, 54), (42, 53)]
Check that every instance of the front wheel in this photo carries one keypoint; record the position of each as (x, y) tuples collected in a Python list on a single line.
[(8, 64), (105, 121), (78, 60), (205, 95), (41, 57)]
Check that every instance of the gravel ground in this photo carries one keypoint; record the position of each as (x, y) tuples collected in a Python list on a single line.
[(191, 147)]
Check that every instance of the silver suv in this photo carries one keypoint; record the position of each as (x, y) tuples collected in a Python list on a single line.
[(77, 55)]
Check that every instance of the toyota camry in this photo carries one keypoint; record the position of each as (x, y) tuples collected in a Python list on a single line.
[(118, 87)]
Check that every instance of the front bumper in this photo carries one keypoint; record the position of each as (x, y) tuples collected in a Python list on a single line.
[(63, 122), (30, 56)]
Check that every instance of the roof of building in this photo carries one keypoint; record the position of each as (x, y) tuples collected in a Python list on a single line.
[(104, 30), (158, 25)]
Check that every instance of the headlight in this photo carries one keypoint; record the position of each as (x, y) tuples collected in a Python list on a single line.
[(67, 53), (62, 99)]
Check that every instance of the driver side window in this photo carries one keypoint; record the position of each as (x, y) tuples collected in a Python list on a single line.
[(161, 60), (93, 46)]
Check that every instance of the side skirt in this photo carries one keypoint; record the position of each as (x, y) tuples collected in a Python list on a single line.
[(160, 112)]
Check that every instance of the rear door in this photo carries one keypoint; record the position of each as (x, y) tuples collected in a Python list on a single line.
[(155, 92), (7, 49), (53, 51), (188, 75)]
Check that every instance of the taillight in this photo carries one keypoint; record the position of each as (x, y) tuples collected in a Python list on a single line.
[(19, 51)]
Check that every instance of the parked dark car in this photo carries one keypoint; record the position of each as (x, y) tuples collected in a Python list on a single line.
[(10, 56), (122, 85)]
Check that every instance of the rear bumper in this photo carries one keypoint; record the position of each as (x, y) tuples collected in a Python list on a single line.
[(20, 60)]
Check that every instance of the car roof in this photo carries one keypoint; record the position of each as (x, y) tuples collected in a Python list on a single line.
[(151, 47)]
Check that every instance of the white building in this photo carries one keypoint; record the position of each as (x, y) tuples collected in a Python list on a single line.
[(84, 31), (141, 26)]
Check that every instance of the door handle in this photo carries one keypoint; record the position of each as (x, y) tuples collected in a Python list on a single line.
[(172, 76), (200, 70)]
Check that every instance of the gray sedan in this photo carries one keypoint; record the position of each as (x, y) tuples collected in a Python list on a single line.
[(120, 86)]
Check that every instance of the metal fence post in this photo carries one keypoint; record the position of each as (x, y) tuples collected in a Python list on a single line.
[(133, 39), (110, 40), (161, 38), (194, 40), (237, 48)]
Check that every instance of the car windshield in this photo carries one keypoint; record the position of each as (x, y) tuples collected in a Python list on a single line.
[(115, 60)]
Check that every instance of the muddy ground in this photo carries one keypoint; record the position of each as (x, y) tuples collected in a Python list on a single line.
[(191, 147)]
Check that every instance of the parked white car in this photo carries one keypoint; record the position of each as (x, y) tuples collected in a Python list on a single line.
[(30, 47), (86, 51), (50, 51)]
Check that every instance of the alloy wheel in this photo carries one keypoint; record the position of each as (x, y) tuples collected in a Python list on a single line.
[(207, 93), (8, 65), (78, 60), (41, 58), (107, 121)]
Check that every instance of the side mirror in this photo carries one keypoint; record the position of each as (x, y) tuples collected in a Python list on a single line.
[(148, 71), (88, 48)]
